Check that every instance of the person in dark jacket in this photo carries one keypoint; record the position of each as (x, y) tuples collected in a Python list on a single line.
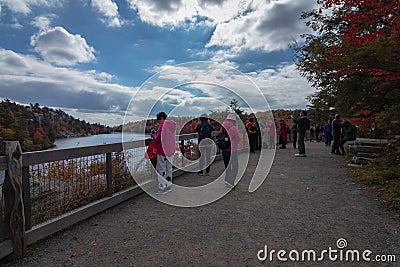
[(337, 147), (349, 133), (259, 139), (303, 124), (204, 130), (252, 134), (294, 132)]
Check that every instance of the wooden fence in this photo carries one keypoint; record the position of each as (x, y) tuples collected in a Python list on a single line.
[(17, 229)]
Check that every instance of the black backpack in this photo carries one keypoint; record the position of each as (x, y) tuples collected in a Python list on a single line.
[(222, 140), (307, 124), (205, 131), (304, 125)]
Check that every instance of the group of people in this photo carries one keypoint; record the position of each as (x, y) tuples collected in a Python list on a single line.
[(333, 131), (341, 133), (164, 140), (316, 133), (164, 145), (300, 126), (229, 154)]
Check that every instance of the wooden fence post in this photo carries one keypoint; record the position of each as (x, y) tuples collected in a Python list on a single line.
[(109, 174), (1, 219), (26, 194), (14, 218)]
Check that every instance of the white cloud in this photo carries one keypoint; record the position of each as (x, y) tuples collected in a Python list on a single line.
[(200, 87), (179, 12), (270, 27), (25, 6), (42, 22), (92, 96), (240, 25), (58, 46), (26, 79), (109, 10), (283, 87)]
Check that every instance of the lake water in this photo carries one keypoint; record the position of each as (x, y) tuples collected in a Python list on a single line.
[(100, 139), (92, 140)]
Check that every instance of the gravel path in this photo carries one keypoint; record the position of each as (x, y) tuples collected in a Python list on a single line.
[(304, 204)]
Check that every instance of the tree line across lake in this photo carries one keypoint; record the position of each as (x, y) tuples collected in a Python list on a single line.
[(36, 128)]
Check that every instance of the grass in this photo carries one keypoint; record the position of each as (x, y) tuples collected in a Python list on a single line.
[(383, 175)]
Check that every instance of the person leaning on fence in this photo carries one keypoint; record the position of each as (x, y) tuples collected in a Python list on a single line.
[(204, 130), (165, 141), (303, 125), (229, 154)]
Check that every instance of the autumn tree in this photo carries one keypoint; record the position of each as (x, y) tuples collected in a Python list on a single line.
[(352, 59)]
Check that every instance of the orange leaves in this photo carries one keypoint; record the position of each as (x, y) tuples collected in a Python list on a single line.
[(39, 135), (363, 118)]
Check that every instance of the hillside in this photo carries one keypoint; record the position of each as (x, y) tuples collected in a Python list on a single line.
[(36, 128), (184, 123)]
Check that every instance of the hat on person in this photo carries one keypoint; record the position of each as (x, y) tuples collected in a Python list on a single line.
[(231, 117), (204, 116)]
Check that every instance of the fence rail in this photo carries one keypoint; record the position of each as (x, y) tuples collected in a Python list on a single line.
[(62, 187)]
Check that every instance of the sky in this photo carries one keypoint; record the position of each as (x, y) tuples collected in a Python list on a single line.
[(98, 59)]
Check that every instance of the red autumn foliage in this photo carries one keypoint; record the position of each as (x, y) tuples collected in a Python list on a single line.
[(370, 23), (39, 134), (363, 118)]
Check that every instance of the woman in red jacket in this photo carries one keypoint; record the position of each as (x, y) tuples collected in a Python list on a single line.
[(284, 129)]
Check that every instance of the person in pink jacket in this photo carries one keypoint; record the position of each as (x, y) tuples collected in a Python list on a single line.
[(165, 140), (229, 155)]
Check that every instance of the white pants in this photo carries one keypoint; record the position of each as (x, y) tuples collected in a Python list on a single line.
[(164, 170)]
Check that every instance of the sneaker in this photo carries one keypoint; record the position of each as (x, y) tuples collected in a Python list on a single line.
[(207, 174), (201, 174), (160, 191), (300, 155), (168, 189)]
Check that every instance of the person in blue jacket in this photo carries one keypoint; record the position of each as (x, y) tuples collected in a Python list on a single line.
[(328, 133)]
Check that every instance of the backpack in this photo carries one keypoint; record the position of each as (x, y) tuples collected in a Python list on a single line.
[(205, 132), (222, 140), (151, 152), (305, 124), (168, 141)]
